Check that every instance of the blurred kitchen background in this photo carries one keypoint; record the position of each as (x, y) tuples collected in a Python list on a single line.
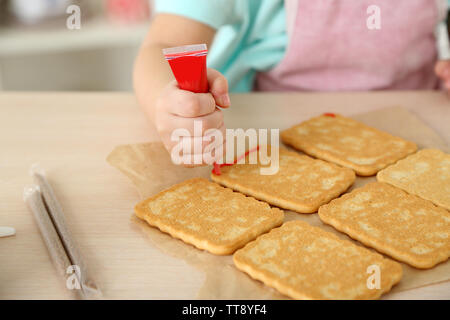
[(38, 52)]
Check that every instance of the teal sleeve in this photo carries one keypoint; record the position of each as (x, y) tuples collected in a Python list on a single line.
[(214, 13), (251, 34)]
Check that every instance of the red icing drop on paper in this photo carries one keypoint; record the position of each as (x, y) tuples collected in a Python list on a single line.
[(216, 169)]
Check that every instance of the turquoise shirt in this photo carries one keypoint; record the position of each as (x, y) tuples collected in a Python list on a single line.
[(251, 34)]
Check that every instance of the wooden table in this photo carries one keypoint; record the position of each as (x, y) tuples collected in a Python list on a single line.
[(70, 135)]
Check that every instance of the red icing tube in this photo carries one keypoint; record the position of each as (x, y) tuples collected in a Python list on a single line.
[(188, 64)]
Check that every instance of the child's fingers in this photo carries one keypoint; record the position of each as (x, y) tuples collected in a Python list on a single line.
[(201, 159), (198, 126), (447, 85), (218, 86), (193, 145), (188, 104), (198, 150), (442, 69), (166, 123), (206, 157)]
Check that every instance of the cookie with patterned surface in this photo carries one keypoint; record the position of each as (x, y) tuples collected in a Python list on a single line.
[(425, 174), (348, 143), (209, 216), (401, 225), (306, 262), (302, 184)]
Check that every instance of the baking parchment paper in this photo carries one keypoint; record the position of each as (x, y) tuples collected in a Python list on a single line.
[(150, 169)]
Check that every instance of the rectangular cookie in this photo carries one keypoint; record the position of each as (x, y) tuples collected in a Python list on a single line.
[(306, 262), (425, 174), (348, 143), (386, 218), (302, 184), (209, 216)]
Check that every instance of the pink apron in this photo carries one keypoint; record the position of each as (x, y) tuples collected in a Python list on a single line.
[(331, 47)]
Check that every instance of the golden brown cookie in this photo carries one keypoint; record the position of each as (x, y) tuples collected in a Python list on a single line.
[(302, 184), (386, 218), (209, 216), (348, 143), (425, 174), (306, 262)]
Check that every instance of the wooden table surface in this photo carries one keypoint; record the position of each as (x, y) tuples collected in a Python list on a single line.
[(70, 135)]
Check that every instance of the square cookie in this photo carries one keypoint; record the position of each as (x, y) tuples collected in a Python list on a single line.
[(306, 262), (208, 216), (425, 174), (348, 143), (403, 226), (302, 184)]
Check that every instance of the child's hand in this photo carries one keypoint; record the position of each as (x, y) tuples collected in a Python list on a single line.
[(176, 108), (442, 70)]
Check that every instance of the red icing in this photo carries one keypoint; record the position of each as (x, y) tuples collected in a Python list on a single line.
[(216, 169), (329, 115)]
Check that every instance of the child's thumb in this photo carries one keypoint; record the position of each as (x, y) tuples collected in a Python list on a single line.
[(218, 86)]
